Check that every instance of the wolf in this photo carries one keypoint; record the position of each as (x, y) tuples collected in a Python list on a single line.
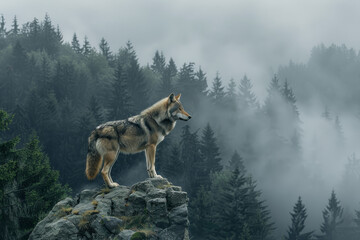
[(138, 133)]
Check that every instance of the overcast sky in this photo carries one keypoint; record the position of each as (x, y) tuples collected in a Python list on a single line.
[(232, 37)]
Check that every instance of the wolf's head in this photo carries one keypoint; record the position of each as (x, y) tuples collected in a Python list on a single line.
[(175, 108)]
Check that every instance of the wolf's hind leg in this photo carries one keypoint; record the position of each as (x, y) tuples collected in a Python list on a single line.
[(109, 160), (150, 161), (112, 164)]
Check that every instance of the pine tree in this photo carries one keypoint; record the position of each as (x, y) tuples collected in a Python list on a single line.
[(256, 213), (230, 95), (194, 166), (94, 109), (200, 214), (2, 27), (236, 161), (126, 55), (231, 218), (49, 39), (105, 49), (231, 89), (86, 48), (26, 179), (167, 79), (120, 103), (19, 57), (298, 217), (185, 83), (159, 63), (34, 34), (173, 167), (217, 93), (210, 155), (64, 80), (290, 97), (246, 95), (137, 86), (201, 82), (59, 35), (15, 27), (171, 67), (332, 216), (75, 45)]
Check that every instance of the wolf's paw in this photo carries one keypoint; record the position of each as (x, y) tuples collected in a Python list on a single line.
[(113, 185), (158, 176)]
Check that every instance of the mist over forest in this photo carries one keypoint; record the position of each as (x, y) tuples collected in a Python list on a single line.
[(244, 159)]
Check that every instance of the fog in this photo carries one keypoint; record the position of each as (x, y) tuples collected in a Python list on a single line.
[(232, 37), (259, 39)]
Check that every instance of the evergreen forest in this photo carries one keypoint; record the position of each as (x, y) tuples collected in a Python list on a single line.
[(252, 166)]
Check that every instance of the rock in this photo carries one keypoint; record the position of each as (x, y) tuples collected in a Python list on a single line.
[(174, 233), (151, 209), (103, 205), (60, 229), (125, 235), (158, 212), (113, 224), (179, 215), (176, 198), (87, 195)]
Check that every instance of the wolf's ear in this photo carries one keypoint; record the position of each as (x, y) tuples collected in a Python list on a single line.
[(171, 98), (178, 96)]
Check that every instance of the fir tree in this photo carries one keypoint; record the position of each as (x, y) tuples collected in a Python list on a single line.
[(236, 161), (200, 214), (173, 168), (171, 68), (230, 95), (105, 49), (194, 166), (230, 218), (120, 104), (159, 63), (35, 33), (86, 48), (247, 97), (167, 79), (15, 27), (19, 57), (49, 39), (59, 35), (210, 154), (137, 85), (201, 82), (231, 89), (217, 92), (94, 109), (290, 97), (25, 178), (2, 27), (332, 216), (75, 45), (298, 217)]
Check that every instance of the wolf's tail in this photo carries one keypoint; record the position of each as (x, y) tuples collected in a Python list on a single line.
[(93, 158)]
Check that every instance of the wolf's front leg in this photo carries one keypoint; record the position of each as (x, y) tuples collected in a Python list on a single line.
[(150, 161)]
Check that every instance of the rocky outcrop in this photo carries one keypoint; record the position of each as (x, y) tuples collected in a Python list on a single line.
[(152, 209)]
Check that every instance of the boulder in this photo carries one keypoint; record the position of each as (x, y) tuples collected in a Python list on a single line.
[(151, 209)]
